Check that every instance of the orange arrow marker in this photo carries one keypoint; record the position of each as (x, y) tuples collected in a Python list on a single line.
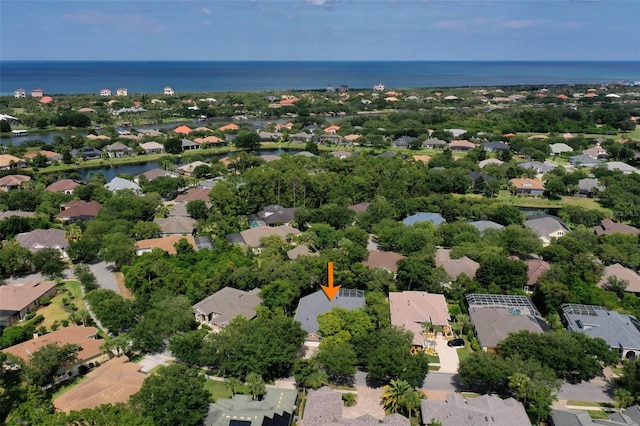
[(330, 290)]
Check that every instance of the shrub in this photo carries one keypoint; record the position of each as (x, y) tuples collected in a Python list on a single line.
[(65, 323), (349, 399)]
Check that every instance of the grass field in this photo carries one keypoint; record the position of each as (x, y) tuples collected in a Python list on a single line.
[(219, 389), (533, 202), (55, 311)]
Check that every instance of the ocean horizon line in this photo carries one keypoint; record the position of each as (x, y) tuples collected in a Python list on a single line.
[(338, 60)]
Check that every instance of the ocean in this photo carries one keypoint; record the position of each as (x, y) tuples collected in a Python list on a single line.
[(76, 77)]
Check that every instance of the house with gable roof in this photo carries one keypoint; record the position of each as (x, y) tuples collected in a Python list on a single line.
[(63, 185), (16, 301), (434, 218), (119, 184), (621, 273), (386, 260), (546, 227), (455, 267), (314, 304), (39, 239)]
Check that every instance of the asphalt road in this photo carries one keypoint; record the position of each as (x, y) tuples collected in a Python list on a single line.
[(104, 275)]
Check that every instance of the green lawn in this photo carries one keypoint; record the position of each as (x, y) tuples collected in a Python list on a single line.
[(55, 311), (219, 389), (534, 202)]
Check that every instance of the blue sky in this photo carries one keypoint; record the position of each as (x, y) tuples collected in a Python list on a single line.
[(320, 30)]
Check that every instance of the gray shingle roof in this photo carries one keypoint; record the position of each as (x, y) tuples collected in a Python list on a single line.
[(435, 218), (483, 225), (544, 226), (227, 303), (118, 183), (43, 238), (317, 303), (484, 410), (242, 407), (620, 331)]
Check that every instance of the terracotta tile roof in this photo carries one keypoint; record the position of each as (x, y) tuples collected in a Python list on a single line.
[(74, 334), (607, 226), (46, 99), (461, 144), (185, 130), (18, 297), (208, 139), (164, 243), (114, 381), (332, 128), (44, 153), (622, 273), (230, 126), (423, 158), (7, 160)]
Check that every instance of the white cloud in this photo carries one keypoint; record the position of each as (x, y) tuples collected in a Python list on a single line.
[(206, 11)]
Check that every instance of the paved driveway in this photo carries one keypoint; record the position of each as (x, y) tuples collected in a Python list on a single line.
[(105, 276), (66, 274), (448, 356)]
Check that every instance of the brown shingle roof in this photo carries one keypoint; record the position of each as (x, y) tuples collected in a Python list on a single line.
[(607, 226), (63, 185), (82, 336), (252, 236), (114, 381), (43, 238), (79, 209), (535, 269), (18, 297), (409, 309), (176, 225), (455, 267), (383, 259), (165, 243), (194, 194), (14, 180), (622, 273)]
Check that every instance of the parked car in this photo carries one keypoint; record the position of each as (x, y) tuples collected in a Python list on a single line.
[(455, 342)]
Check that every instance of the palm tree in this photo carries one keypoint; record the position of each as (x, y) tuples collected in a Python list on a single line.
[(400, 397), (256, 385), (623, 397)]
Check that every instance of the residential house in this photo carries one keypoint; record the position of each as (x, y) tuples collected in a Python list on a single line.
[(117, 150), (494, 316), (546, 227), (332, 129), (64, 185), (620, 331), (188, 169), (434, 218), (619, 166), (268, 158), (49, 155), (275, 408), (485, 410), (386, 260), (567, 417), (484, 225), (434, 143), (624, 274), (324, 408), (219, 309), (122, 91), (455, 267), (16, 301), (330, 138), (590, 187), (194, 194), (310, 306), (40, 239), (417, 312), (403, 141), (535, 269), (273, 215), (461, 145), (298, 251), (77, 210), (183, 130), (526, 186), (476, 176), (152, 147), (167, 244), (10, 213), (341, 154), (360, 207), (86, 338), (597, 153), (560, 148), (10, 182), (105, 92), (188, 145), (251, 237), (378, 87), (176, 225), (228, 127), (204, 242), (8, 162), (608, 227), (538, 167), (155, 173), (119, 184), (111, 383), (86, 153), (484, 163), (209, 140), (168, 91), (495, 146), (584, 161), (19, 93), (37, 93)]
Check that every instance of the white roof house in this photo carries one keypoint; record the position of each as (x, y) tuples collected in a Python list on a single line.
[(118, 183)]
